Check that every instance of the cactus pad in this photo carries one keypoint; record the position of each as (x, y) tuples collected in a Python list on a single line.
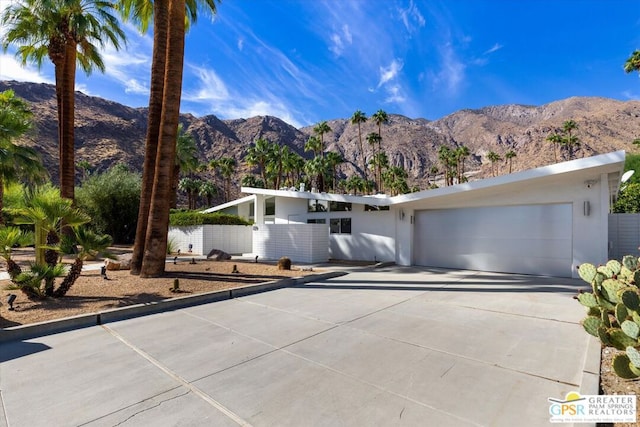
[(604, 336), (621, 367), (620, 340), (630, 299), (610, 289), (614, 266), (625, 274), (587, 272), (634, 356), (631, 329), (630, 262), (606, 271), (621, 313), (588, 299), (591, 325)]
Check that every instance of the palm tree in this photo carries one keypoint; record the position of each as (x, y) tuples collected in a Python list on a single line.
[(16, 162), (226, 167), (380, 117), (208, 190), (357, 119), (12, 237), (48, 212), (509, 156), (374, 139), (449, 161), (69, 32), (333, 160), (153, 263), (633, 63), (494, 158), (570, 141), (258, 155), (379, 162), (461, 153), (555, 139), (320, 129), (251, 181), (186, 160), (85, 244), (396, 180), (141, 12)]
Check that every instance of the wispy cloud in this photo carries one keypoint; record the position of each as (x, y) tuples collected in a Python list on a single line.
[(240, 44), (452, 70), (493, 48), (12, 69), (390, 72), (340, 40), (411, 17)]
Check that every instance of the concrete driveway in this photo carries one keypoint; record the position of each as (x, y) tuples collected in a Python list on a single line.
[(388, 346)]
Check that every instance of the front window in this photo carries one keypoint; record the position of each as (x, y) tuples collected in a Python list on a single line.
[(270, 206), (318, 206), (340, 207), (340, 225)]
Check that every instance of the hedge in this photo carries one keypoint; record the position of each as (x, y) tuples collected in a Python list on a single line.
[(181, 218)]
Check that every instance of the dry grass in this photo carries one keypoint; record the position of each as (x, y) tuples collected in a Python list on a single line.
[(92, 293)]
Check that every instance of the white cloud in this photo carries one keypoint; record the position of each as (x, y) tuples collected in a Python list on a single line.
[(240, 44), (395, 94), (340, 40), (389, 73), (451, 74), (11, 69), (412, 17), (209, 87), (630, 95), (134, 86), (493, 48)]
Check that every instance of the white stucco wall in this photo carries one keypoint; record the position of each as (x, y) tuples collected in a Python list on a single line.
[(589, 232), (308, 243), (233, 239)]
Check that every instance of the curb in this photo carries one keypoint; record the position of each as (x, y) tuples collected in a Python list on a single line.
[(18, 333)]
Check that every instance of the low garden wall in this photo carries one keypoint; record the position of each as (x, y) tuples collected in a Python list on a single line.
[(307, 243), (233, 239)]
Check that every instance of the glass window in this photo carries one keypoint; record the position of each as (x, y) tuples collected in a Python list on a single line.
[(371, 208), (317, 221), (318, 205), (339, 207), (270, 206), (340, 225)]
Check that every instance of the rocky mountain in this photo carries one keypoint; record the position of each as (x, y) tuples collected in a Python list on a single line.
[(108, 133)]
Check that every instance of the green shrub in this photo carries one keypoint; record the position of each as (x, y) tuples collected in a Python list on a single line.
[(112, 200), (182, 218)]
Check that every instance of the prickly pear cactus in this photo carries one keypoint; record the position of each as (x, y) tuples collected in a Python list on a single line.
[(613, 310)]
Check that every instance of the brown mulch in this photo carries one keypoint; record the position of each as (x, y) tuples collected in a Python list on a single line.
[(91, 293)]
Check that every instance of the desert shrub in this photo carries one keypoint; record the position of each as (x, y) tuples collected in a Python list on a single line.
[(628, 200), (284, 263), (112, 200), (182, 218)]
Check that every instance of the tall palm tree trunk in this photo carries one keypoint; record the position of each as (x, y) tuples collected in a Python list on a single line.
[(160, 28), (155, 253), (67, 143)]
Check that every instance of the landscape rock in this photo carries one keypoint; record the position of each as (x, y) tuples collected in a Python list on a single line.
[(122, 262), (218, 255)]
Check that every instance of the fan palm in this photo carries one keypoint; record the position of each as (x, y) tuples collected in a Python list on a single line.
[(69, 32), (11, 237), (633, 63), (357, 119)]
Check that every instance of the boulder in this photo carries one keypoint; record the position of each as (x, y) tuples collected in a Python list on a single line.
[(122, 262), (218, 255)]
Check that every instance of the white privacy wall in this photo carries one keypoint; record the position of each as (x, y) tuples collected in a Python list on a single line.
[(306, 243), (372, 236), (233, 239)]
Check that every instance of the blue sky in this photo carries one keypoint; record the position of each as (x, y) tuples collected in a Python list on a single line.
[(311, 60)]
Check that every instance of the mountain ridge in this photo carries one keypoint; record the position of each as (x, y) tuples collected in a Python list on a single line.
[(108, 133)]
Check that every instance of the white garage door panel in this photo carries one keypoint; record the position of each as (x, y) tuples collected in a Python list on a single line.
[(531, 239)]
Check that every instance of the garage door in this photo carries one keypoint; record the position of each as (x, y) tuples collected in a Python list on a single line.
[(529, 239)]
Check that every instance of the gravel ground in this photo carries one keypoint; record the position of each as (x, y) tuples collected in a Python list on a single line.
[(92, 293)]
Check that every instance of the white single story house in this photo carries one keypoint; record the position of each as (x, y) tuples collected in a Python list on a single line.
[(544, 221)]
